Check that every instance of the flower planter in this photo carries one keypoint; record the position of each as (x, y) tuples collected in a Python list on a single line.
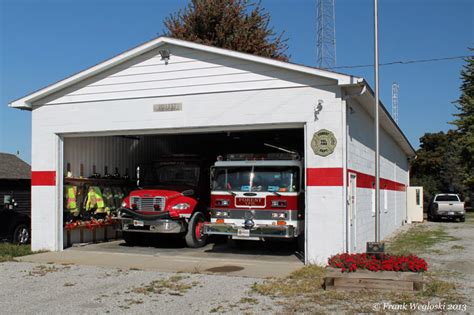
[(381, 280)]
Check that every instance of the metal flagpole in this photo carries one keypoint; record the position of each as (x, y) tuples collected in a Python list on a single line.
[(377, 156)]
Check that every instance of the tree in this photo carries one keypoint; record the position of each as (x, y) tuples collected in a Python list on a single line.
[(232, 24), (438, 164), (445, 161), (465, 121)]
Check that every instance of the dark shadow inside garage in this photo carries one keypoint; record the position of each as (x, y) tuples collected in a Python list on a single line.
[(102, 156)]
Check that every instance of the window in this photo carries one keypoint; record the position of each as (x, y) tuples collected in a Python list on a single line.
[(257, 178), (447, 198), (418, 197)]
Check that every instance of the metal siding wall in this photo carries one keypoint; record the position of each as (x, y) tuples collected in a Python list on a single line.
[(393, 166), (100, 151), (188, 71), (112, 151)]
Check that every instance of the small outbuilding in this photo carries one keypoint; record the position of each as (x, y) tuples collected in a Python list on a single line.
[(169, 96), (15, 183)]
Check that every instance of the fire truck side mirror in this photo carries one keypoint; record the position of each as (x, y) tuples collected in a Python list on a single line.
[(188, 192)]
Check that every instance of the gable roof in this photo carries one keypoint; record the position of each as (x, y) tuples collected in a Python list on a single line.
[(26, 101), (344, 80), (12, 167)]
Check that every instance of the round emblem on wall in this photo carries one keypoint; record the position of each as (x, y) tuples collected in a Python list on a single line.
[(323, 142)]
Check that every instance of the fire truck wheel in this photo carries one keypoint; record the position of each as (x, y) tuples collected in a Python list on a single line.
[(195, 237)]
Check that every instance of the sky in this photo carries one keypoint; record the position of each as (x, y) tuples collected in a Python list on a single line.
[(45, 41)]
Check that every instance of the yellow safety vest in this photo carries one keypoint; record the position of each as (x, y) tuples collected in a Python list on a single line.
[(71, 204), (71, 197), (95, 200)]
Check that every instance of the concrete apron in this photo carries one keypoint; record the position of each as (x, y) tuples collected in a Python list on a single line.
[(190, 264)]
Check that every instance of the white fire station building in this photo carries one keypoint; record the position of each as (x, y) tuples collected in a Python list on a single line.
[(170, 96)]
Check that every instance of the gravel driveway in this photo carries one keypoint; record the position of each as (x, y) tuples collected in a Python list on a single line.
[(55, 289), (62, 288)]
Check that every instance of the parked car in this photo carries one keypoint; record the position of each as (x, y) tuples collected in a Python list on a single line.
[(446, 206), (14, 226)]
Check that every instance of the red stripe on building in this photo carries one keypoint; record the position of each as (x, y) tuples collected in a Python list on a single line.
[(333, 176), (324, 176), (43, 178), (363, 180)]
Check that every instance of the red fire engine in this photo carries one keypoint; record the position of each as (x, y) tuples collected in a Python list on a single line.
[(173, 200), (257, 197)]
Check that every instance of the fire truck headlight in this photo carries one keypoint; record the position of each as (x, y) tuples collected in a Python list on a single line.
[(124, 204), (279, 203), (222, 203), (181, 206), (278, 215), (222, 214)]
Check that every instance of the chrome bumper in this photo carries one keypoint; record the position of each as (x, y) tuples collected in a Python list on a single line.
[(260, 231), (153, 226)]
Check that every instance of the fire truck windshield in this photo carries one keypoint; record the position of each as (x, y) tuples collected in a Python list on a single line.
[(256, 178), (178, 174)]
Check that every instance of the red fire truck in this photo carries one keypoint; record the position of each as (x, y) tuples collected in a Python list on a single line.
[(257, 197), (172, 199)]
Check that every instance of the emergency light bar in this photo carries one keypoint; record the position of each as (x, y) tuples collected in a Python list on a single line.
[(261, 156)]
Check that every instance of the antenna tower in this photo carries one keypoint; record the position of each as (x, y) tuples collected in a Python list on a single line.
[(395, 90), (326, 34)]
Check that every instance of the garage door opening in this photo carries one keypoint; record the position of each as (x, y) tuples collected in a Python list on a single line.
[(101, 171)]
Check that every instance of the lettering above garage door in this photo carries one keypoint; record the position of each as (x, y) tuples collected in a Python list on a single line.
[(170, 107)]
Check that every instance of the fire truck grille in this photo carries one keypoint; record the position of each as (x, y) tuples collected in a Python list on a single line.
[(148, 204)]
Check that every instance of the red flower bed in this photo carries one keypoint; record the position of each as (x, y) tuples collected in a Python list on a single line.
[(352, 262)]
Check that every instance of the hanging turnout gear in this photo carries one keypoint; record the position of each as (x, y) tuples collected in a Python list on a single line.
[(118, 197), (95, 201), (109, 201), (70, 193)]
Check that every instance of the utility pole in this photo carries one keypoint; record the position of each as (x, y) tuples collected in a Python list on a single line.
[(326, 34), (377, 155)]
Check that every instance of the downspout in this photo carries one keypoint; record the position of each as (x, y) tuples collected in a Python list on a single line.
[(345, 153)]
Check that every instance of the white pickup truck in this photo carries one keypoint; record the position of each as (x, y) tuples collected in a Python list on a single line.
[(447, 206)]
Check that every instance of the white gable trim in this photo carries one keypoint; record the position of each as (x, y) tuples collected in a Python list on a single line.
[(25, 102)]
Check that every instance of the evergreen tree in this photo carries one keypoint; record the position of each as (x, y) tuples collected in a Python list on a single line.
[(465, 122), (232, 24)]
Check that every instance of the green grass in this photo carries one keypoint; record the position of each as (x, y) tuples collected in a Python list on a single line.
[(470, 217), (171, 286), (308, 279), (8, 251), (418, 239)]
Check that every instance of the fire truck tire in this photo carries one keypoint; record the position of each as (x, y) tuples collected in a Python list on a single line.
[(131, 238), (195, 237)]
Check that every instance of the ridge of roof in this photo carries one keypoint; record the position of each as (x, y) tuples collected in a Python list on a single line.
[(25, 101)]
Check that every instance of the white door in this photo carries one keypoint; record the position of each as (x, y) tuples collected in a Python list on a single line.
[(414, 204), (351, 215)]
